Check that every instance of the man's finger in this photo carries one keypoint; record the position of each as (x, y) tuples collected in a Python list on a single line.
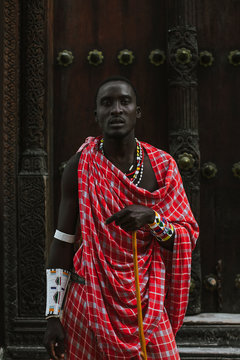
[(60, 349), (111, 219), (115, 216), (118, 216), (52, 348)]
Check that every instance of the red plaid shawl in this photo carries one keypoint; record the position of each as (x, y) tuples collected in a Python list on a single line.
[(105, 257)]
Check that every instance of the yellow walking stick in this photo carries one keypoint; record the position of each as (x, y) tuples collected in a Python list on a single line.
[(139, 305)]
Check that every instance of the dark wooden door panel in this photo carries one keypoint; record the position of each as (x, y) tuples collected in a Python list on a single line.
[(81, 26), (140, 26), (219, 127)]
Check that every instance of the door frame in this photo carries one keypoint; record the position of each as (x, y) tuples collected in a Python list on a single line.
[(26, 152), (26, 97)]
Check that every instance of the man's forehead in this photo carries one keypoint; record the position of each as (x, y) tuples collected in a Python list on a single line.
[(115, 87)]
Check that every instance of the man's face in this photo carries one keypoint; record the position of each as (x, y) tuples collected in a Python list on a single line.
[(117, 111)]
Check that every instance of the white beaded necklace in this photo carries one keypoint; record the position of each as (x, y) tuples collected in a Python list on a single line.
[(135, 176)]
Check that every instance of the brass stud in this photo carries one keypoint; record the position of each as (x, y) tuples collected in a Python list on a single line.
[(183, 56), (234, 57), (65, 58), (157, 57), (206, 58), (210, 282), (185, 161), (209, 170), (236, 170), (125, 57), (95, 57)]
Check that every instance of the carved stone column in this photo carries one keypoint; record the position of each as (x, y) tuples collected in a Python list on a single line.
[(26, 131), (33, 176), (9, 95), (183, 115)]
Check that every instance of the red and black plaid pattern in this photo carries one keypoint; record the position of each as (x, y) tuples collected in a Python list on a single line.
[(105, 257)]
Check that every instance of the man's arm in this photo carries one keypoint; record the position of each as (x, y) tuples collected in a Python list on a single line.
[(133, 217), (61, 252)]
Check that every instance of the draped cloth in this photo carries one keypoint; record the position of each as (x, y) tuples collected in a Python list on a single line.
[(105, 257)]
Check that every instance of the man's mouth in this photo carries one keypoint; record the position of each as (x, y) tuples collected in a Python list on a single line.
[(117, 121)]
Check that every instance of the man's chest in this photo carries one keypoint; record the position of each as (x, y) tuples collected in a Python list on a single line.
[(148, 181)]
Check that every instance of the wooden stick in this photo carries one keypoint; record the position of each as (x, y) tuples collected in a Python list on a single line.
[(139, 305)]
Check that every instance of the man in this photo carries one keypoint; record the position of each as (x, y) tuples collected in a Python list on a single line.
[(115, 185)]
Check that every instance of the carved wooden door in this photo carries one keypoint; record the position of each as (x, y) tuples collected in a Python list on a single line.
[(171, 102), (116, 37), (92, 42), (219, 130)]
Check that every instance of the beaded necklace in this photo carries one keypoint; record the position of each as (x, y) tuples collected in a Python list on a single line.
[(136, 175)]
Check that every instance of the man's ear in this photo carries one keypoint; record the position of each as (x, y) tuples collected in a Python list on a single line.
[(138, 112)]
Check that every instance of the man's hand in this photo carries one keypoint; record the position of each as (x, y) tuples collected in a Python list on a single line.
[(54, 339), (132, 217)]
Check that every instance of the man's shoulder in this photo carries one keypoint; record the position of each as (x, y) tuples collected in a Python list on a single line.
[(70, 170), (73, 161), (158, 154)]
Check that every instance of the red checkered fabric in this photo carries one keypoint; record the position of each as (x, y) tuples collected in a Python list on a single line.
[(82, 343), (105, 257)]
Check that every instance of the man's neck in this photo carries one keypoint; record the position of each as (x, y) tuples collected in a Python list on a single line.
[(120, 150)]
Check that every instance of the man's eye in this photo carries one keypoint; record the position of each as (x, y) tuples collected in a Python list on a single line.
[(125, 101), (106, 102)]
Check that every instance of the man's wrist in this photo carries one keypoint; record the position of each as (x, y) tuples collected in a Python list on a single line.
[(51, 316), (152, 217), (57, 282), (161, 228)]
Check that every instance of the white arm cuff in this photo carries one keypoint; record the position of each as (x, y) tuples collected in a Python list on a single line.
[(57, 282), (64, 237)]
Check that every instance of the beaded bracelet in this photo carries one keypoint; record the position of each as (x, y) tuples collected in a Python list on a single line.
[(57, 281), (161, 228)]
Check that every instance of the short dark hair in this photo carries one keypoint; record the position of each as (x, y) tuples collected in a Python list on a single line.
[(116, 78)]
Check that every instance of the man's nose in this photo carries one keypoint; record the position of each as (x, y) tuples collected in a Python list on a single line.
[(116, 108)]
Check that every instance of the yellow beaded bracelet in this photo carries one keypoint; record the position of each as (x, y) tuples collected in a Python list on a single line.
[(161, 228)]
